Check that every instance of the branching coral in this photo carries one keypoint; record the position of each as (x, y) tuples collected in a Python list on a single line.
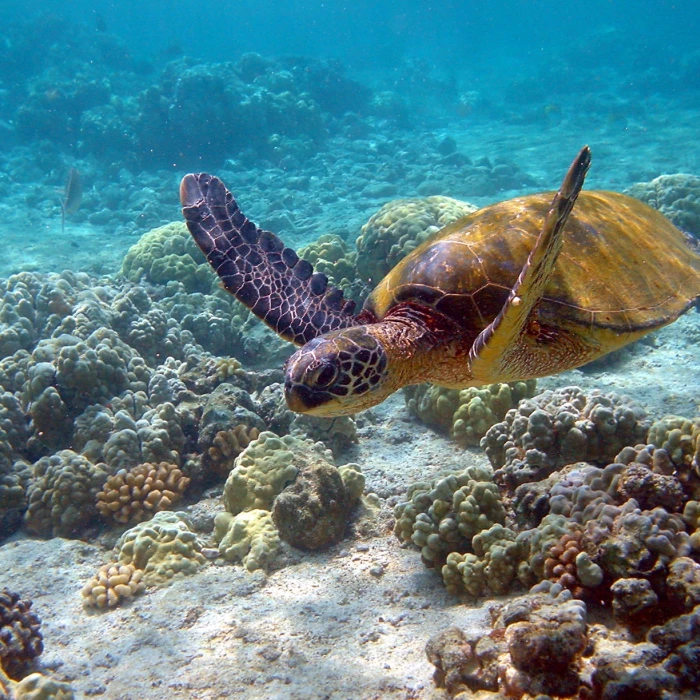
[(133, 495), (112, 585)]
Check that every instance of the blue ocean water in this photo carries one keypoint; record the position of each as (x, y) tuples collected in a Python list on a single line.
[(139, 88), (114, 336)]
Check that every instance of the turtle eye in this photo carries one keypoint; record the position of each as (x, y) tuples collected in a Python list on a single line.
[(324, 375)]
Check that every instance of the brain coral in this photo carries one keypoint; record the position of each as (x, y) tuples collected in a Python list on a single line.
[(62, 494), (399, 227), (560, 427), (676, 196), (166, 254), (163, 547)]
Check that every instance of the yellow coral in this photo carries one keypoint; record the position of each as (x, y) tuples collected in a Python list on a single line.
[(227, 367), (331, 256), (113, 584), (168, 253), (37, 686), (250, 536), (265, 467), (164, 547), (679, 437), (400, 226), (466, 414)]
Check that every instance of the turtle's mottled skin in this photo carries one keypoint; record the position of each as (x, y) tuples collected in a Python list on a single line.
[(520, 289)]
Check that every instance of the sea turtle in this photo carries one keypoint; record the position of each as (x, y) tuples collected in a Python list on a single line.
[(489, 298)]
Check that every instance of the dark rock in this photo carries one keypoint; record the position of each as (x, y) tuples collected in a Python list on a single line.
[(637, 684), (447, 146), (634, 602), (539, 648), (651, 490), (451, 654), (683, 584), (313, 512), (676, 632)]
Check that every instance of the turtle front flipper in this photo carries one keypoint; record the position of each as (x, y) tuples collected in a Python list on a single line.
[(254, 266), (512, 346)]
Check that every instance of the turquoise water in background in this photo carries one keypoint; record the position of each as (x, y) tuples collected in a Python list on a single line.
[(134, 95)]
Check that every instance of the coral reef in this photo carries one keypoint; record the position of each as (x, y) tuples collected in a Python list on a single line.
[(168, 254), (444, 516), (560, 427), (37, 686), (61, 497), (331, 255), (679, 437), (314, 510), (466, 414), (20, 635), (112, 585), (250, 536), (265, 468), (133, 495), (582, 528), (14, 480), (543, 644), (163, 547), (400, 226), (290, 485), (676, 196), (229, 422)]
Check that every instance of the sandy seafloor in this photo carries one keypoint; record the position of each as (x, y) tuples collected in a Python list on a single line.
[(351, 622)]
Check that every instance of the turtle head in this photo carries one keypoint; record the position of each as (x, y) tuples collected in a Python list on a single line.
[(338, 373)]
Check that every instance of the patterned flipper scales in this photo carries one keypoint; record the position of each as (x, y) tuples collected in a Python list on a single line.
[(254, 266)]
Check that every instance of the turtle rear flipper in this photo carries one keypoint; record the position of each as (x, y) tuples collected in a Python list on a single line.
[(513, 344), (254, 266)]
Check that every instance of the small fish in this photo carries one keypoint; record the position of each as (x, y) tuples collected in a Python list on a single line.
[(72, 196)]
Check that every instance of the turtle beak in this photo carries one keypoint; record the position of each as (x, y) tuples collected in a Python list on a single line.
[(301, 399)]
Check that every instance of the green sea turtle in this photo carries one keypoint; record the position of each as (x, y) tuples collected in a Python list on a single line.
[(525, 288)]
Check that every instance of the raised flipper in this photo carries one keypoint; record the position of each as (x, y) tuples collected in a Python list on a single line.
[(505, 349), (254, 266)]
